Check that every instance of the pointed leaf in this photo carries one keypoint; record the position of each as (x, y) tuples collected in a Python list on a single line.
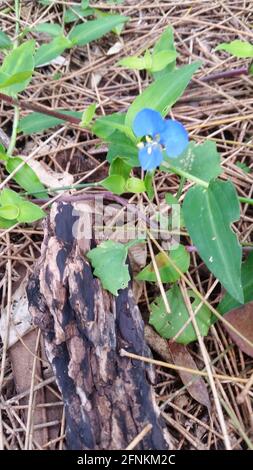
[(208, 214), (17, 61), (91, 30), (163, 93), (47, 52), (29, 212), (26, 178), (237, 48)]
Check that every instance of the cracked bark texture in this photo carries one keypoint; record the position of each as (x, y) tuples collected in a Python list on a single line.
[(108, 398)]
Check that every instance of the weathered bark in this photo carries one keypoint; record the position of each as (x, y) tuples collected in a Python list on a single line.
[(108, 398)]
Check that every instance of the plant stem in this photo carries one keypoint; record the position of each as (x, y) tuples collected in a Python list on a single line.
[(180, 188), (16, 109), (14, 131), (204, 184)]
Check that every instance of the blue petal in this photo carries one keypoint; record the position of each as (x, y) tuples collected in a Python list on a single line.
[(148, 122), (150, 161), (174, 137)]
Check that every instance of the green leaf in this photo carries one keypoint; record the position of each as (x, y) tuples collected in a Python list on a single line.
[(208, 214), (17, 61), (9, 212), (5, 224), (86, 32), (237, 48), (114, 183), (167, 272), (199, 160), (119, 167), (16, 79), (134, 62), (229, 303), (88, 115), (105, 126), (29, 212), (47, 52), (9, 197), (149, 184), (109, 263), (163, 93), (75, 12), (121, 146), (168, 325), (161, 59), (37, 122), (135, 185), (26, 177), (5, 41), (165, 43), (243, 167), (103, 14), (52, 29)]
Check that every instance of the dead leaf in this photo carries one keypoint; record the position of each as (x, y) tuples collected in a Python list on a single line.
[(117, 47), (21, 320), (179, 355), (241, 318), (195, 386)]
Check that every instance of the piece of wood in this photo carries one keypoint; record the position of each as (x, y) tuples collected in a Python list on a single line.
[(109, 399)]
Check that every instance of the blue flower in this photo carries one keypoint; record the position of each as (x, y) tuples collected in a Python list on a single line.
[(160, 134)]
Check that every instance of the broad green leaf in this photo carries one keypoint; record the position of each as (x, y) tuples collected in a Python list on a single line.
[(105, 126), (167, 272), (9, 212), (135, 185), (208, 215), (86, 32), (37, 122), (29, 212), (114, 183), (17, 61), (168, 325), (47, 52), (88, 115), (5, 41), (119, 167), (237, 48), (52, 29), (229, 303), (26, 177), (161, 59), (163, 93), (165, 43), (16, 79), (109, 263), (123, 147), (201, 161), (76, 12)]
